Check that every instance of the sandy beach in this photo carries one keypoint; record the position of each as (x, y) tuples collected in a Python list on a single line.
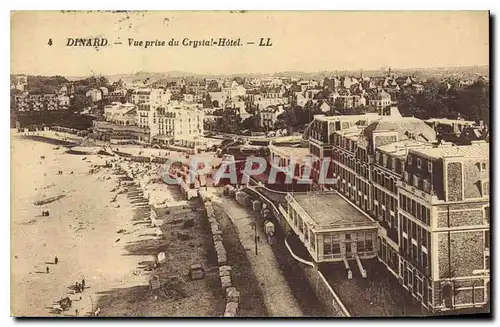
[(82, 231)]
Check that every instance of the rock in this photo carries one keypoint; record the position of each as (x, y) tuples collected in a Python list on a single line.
[(231, 309), (222, 268), (225, 282), (196, 272), (225, 273), (217, 238), (230, 289), (222, 259), (218, 244), (233, 296)]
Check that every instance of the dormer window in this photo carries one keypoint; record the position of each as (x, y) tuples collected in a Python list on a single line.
[(419, 163), (429, 167), (409, 160), (483, 166)]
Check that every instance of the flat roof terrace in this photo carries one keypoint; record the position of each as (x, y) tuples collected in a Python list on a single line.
[(378, 295), (330, 211), (290, 152)]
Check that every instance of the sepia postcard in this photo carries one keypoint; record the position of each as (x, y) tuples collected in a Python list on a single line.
[(250, 163)]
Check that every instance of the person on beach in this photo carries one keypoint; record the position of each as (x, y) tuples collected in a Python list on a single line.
[(56, 260), (47, 269), (77, 287), (83, 284), (76, 312)]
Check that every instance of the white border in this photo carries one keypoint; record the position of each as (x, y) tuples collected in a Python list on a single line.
[(180, 5)]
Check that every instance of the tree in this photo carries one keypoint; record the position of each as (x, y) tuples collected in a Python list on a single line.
[(470, 103), (79, 101), (239, 80), (251, 123), (207, 101)]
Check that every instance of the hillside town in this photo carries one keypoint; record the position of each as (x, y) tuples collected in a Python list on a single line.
[(402, 228), (180, 110)]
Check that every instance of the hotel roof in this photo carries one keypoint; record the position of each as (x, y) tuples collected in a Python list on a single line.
[(331, 211), (476, 150), (401, 148), (402, 125)]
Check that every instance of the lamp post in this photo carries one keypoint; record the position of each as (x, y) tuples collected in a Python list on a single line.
[(254, 225), (92, 304)]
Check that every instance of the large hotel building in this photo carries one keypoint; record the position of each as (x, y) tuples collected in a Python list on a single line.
[(429, 200)]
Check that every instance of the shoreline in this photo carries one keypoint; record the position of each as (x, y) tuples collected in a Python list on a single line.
[(82, 231)]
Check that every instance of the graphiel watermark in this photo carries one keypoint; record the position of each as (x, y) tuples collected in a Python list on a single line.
[(296, 170)]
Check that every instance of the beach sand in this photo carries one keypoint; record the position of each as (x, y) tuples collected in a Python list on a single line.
[(81, 231)]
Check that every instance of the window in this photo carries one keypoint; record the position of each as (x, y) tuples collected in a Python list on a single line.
[(419, 163), (369, 245), (409, 159), (429, 167), (327, 246), (483, 165), (414, 230), (347, 236), (361, 246), (425, 263), (424, 237), (336, 248)]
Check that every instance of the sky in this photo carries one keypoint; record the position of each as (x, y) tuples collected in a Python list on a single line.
[(301, 41)]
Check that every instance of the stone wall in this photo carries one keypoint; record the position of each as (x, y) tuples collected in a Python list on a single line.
[(325, 293), (472, 176), (471, 217), (454, 181), (466, 253), (230, 293)]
